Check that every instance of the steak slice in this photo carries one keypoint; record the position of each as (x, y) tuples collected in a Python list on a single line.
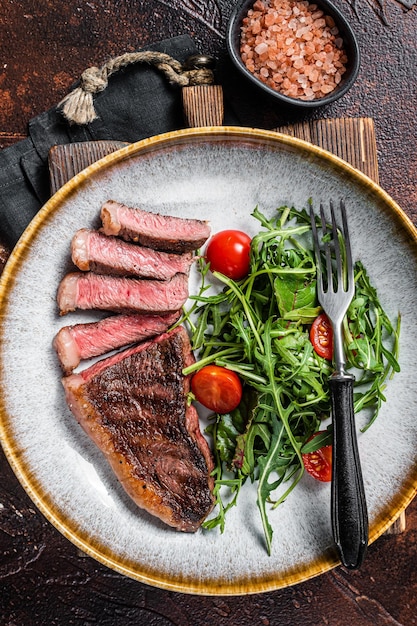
[(79, 290), (160, 232), (84, 341), (92, 250), (133, 405)]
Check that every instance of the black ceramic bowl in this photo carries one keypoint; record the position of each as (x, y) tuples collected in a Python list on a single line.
[(350, 45)]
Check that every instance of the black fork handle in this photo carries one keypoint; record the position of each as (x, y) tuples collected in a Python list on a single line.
[(348, 503)]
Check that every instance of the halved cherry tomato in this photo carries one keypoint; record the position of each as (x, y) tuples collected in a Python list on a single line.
[(321, 336), (218, 388), (228, 252), (319, 463)]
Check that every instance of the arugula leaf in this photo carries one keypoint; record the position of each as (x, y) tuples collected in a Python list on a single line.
[(265, 488), (294, 292)]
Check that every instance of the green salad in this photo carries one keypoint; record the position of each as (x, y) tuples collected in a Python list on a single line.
[(259, 328)]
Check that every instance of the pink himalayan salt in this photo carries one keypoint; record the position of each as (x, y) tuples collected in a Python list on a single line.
[(291, 46)]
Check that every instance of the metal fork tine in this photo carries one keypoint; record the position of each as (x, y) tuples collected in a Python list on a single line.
[(336, 244), (329, 273), (316, 249), (349, 263)]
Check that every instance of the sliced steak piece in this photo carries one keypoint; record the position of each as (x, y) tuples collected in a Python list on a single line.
[(92, 250), (84, 341), (159, 232), (133, 405), (80, 290)]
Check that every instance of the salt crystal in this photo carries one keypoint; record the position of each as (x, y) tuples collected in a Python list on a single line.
[(309, 48), (269, 19), (261, 48), (327, 88), (314, 75), (292, 91)]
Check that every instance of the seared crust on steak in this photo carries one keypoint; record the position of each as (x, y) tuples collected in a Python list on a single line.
[(160, 232), (92, 250), (79, 290), (84, 341), (133, 405)]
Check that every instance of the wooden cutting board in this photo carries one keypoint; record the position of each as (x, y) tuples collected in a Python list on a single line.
[(352, 139)]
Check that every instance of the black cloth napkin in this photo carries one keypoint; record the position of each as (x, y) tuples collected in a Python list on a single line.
[(138, 102)]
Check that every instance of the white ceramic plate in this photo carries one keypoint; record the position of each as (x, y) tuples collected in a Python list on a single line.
[(218, 174)]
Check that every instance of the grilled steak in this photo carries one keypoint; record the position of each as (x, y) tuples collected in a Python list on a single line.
[(133, 405), (80, 290), (83, 341), (155, 231), (91, 250)]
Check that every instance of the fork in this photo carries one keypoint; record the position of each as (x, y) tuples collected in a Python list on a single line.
[(335, 290)]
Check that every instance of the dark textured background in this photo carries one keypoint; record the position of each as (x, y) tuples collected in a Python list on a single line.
[(44, 47)]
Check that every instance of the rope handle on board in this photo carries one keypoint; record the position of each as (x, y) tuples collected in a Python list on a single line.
[(78, 106)]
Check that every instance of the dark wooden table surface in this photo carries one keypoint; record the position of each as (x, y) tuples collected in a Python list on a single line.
[(44, 48)]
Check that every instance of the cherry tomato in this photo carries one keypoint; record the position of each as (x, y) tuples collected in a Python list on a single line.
[(228, 252), (319, 463), (218, 388), (321, 336)]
